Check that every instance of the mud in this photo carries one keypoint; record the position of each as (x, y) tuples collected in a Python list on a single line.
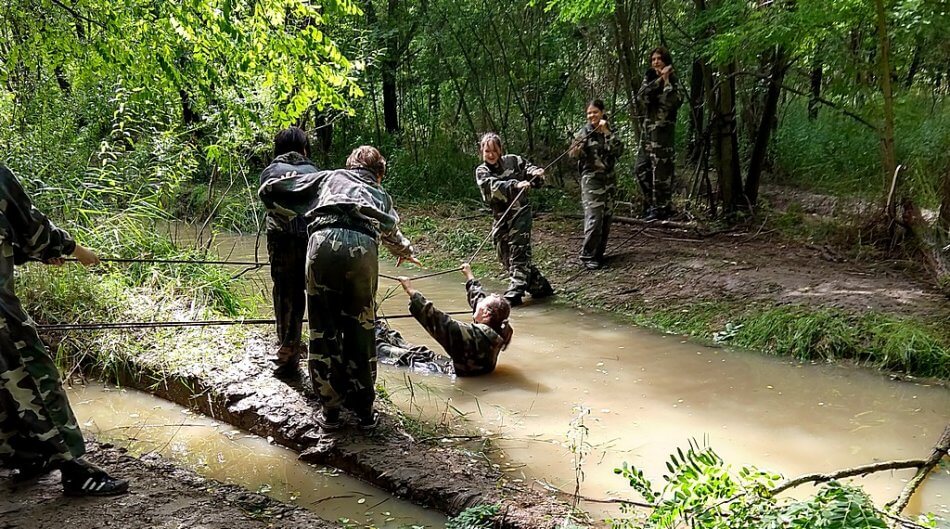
[(248, 397), (162, 495)]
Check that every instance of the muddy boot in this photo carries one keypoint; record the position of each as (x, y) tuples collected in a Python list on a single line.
[(544, 290), (287, 362), (514, 297), (81, 478), (368, 422), (329, 419)]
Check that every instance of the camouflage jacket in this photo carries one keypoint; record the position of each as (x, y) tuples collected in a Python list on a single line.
[(30, 234), (474, 347), (287, 163), (498, 183), (657, 102), (599, 151), (339, 198)]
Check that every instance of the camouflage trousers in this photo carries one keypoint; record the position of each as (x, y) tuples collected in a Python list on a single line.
[(654, 168), (288, 262), (597, 195), (36, 422), (392, 349), (342, 277), (512, 242)]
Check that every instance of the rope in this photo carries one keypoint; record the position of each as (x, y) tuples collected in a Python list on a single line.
[(251, 264), (131, 325), (503, 216)]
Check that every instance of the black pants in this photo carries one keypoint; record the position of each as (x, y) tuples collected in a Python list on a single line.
[(288, 256)]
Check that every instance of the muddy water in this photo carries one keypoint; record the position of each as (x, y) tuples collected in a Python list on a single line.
[(647, 393), (216, 450)]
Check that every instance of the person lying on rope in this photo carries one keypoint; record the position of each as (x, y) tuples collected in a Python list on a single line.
[(473, 347)]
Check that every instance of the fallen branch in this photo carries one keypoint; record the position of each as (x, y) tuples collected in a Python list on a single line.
[(848, 473), (939, 452), (551, 488)]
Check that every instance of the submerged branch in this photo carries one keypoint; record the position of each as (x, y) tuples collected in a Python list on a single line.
[(939, 452), (848, 473)]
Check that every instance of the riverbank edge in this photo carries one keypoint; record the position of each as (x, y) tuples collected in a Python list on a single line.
[(155, 482), (871, 338), (246, 396)]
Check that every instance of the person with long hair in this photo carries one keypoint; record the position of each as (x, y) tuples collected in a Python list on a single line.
[(597, 149), (504, 181), (348, 213), (474, 347), (657, 102)]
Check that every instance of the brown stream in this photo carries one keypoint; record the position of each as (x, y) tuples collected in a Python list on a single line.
[(647, 393)]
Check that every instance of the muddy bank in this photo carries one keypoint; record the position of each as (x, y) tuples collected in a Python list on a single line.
[(162, 495), (243, 393)]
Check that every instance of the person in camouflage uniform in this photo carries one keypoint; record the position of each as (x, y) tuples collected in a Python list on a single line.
[(348, 214), (597, 149), (474, 347), (502, 179), (657, 102), (38, 431), (287, 249)]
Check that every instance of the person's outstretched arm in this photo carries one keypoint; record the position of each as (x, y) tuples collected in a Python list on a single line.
[(449, 332)]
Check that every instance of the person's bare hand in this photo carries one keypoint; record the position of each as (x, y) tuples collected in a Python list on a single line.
[(85, 256), (412, 259), (467, 271), (665, 73), (406, 284), (523, 184), (55, 261)]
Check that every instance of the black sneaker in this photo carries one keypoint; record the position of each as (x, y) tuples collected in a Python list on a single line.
[(82, 478), (30, 471), (329, 419)]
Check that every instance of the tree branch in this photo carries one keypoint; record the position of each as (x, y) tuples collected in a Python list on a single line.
[(939, 452), (77, 14), (849, 473)]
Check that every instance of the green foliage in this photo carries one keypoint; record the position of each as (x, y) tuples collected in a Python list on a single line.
[(477, 517), (701, 490)]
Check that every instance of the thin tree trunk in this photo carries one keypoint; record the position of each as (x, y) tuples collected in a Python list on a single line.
[(943, 220), (626, 46), (764, 133), (390, 64), (889, 157), (696, 113), (817, 73)]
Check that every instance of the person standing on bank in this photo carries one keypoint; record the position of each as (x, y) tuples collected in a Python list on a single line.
[(501, 179), (287, 250), (597, 149), (38, 431), (657, 102), (348, 214)]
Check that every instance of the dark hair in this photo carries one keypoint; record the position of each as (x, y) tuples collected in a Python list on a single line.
[(596, 103), (291, 139), (490, 137), (498, 312), (664, 55), (369, 158)]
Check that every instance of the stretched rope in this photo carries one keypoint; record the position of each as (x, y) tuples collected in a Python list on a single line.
[(94, 326)]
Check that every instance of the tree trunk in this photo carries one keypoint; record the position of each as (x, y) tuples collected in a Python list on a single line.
[(914, 67), (817, 73), (390, 97), (188, 114), (697, 113), (766, 126), (626, 51), (62, 81), (726, 141), (929, 245), (889, 157), (943, 220)]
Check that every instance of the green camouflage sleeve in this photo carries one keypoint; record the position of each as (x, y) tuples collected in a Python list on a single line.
[(615, 146), (493, 188), (35, 236), (475, 292), (390, 235), (291, 194), (670, 98), (445, 329), (647, 89)]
